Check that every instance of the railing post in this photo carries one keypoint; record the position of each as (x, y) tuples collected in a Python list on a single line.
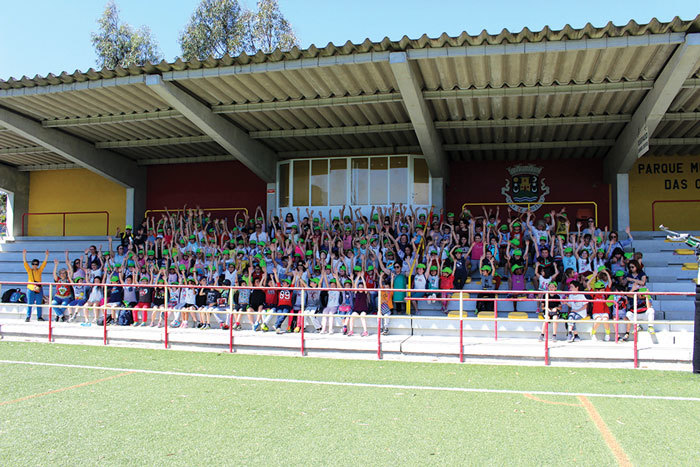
[(379, 325), (495, 318), (64, 228), (230, 319), (546, 328), (104, 316), (50, 310), (166, 303), (617, 317), (461, 327), (636, 360), (303, 321), (24, 215)]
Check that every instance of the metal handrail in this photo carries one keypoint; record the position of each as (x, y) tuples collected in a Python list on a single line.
[(550, 203), (149, 211), (64, 214)]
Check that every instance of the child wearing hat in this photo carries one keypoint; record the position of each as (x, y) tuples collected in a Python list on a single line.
[(645, 312), (550, 309), (600, 311), (144, 295), (447, 280)]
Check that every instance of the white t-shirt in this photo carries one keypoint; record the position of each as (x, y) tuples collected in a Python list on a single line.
[(419, 281), (577, 305)]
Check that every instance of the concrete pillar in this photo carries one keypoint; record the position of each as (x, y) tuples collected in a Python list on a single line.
[(135, 207), (438, 192), (271, 199), (16, 185), (621, 202)]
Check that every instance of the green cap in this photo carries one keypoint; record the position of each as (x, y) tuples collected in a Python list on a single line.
[(515, 242), (486, 267), (357, 268), (182, 267), (599, 239), (629, 255), (114, 279), (421, 266), (450, 214), (601, 250), (599, 285), (363, 242), (568, 249), (515, 266), (516, 224), (619, 273), (447, 270), (601, 268), (503, 227), (128, 227), (643, 289), (315, 280), (370, 268), (433, 268), (347, 281), (151, 252), (517, 252), (309, 253)]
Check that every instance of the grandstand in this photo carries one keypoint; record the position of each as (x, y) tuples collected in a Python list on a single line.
[(594, 124)]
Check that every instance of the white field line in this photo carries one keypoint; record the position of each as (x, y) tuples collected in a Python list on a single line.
[(358, 385)]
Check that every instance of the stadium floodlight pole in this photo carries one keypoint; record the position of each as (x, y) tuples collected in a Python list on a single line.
[(694, 243)]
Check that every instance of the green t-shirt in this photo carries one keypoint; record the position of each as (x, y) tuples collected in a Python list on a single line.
[(399, 283)]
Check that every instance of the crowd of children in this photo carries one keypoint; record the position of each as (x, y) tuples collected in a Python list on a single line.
[(268, 256)]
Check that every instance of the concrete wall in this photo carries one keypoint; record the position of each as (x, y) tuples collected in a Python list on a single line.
[(567, 180), (208, 185), (665, 190), (74, 190)]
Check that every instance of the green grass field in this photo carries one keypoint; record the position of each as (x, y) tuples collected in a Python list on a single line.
[(66, 415)]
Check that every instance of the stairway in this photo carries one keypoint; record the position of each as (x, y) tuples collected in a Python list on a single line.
[(664, 264)]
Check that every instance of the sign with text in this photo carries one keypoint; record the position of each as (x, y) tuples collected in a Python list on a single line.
[(665, 188)]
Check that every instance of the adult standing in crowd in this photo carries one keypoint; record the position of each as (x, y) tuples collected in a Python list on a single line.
[(34, 293)]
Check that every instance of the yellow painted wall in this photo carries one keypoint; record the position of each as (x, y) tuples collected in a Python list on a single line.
[(674, 183), (74, 190)]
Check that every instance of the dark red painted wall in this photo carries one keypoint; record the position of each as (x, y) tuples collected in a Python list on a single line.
[(568, 180), (209, 185)]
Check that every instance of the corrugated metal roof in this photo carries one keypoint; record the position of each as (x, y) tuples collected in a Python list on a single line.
[(353, 104)]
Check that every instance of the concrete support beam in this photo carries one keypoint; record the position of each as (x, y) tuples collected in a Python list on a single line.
[(271, 198), (621, 202), (16, 185), (110, 165), (406, 76), (254, 155), (437, 188), (654, 106)]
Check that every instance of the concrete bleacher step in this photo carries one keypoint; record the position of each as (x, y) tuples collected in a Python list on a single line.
[(53, 243)]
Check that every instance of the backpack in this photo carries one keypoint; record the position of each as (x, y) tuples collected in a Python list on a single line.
[(483, 305), (6, 296), (125, 318), (18, 296)]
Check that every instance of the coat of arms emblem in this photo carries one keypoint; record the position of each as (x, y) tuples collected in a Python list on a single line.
[(525, 188)]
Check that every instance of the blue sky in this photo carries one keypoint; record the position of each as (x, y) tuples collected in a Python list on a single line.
[(45, 36)]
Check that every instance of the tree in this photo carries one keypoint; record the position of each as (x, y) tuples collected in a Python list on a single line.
[(270, 28), (118, 44), (219, 27), (216, 28)]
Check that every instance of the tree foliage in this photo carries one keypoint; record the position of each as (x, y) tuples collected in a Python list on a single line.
[(119, 44), (219, 27)]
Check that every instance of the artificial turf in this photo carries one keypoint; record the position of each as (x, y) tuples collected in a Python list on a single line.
[(185, 420)]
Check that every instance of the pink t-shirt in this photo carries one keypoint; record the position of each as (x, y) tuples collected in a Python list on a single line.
[(478, 251), (347, 242)]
